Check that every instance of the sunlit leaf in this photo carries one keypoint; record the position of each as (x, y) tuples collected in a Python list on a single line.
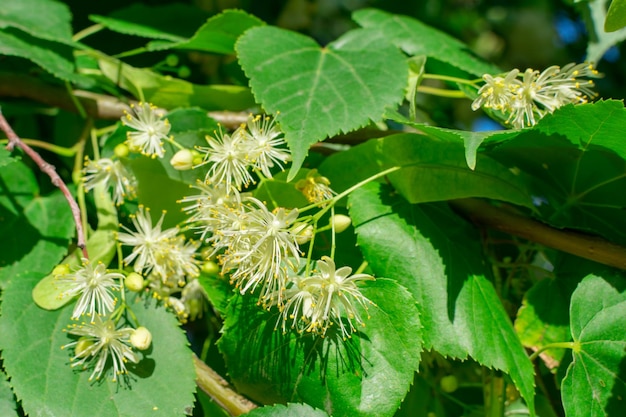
[(7, 401), (290, 410), (594, 384), (319, 92), (437, 256), (51, 21)]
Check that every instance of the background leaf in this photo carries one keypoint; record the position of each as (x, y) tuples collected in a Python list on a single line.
[(35, 230), (428, 249), (366, 375), (8, 405), (595, 14), (52, 20), (416, 38), (46, 385), (319, 92), (615, 16), (594, 384)]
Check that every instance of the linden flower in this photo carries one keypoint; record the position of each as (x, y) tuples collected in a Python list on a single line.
[(149, 132), (150, 244), (94, 285), (98, 341), (228, 158), (315, 187), (264, 141), (113, 174), (258, 246), (527, 100), (338, 298)]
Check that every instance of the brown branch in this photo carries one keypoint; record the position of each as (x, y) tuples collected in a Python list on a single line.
[(220, 391), (589, 247), (48, 169)]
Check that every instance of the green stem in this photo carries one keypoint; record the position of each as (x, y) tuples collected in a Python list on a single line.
[(59, 150), (132, 52), (556, 345), (79, 107), (450, 78), (441, 92), (333, 243), (176, 144), (88, 31)]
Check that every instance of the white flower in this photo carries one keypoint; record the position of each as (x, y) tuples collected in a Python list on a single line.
[(113, 174), (315, 188), (150, 130), (228, 158), (325, 298), (526, 101), (100, 340), (263, 145), (150, 244), (94, 287), (259, 245)]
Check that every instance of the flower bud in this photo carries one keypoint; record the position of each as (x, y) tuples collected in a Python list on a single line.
[(210, 268), (141, 338), (121, 150), (182, 160), (62, 269), (449, 383), (134, 282), (341, 222), (303, 232), (82, 346)]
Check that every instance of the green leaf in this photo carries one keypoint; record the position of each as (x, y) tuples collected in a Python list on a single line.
[(43, 380), (172, 22), (319, 92), (53, 57), (169, 92), (438, 258), (289, 410), (416, 38), (594, 384), (8, 405), (578, 161), (5, 157), (219, 33), (366, 375), (544, 318), (278, 192), (432, 170), (101, 247), (44, 19), (616, 16), (218, 290), (595, 16), (35, 230)]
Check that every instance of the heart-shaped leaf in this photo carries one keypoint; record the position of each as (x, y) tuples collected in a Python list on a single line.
[(319, 92)]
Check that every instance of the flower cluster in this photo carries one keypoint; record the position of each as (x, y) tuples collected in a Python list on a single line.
[(315, 187), (164, 256), (328, 296), (256, 145), (526, 98)]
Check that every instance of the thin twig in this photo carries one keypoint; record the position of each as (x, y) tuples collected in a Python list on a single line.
[(579, 244), (220, 391), (48, 169)]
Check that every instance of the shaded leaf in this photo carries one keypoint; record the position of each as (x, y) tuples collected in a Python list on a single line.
[(366, 375), (35, 230), (289, 410), (169, 92), (437, 256), (319, 92), (46, 385), (52, 20), (432, 170), (594, 384), (5, 157), (416, 38)]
